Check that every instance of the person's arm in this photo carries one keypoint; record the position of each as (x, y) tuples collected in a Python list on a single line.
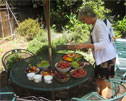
[(84, 45), (80, 46)]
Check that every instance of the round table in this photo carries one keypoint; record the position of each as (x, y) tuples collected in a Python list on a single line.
[(19, 77)]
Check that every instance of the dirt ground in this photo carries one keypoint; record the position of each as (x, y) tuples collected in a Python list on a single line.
[(6, 45)]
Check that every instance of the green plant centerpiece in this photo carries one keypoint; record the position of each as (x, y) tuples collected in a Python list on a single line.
[(43, 65)]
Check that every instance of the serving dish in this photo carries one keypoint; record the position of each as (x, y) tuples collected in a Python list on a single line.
[(63, 66), (32, 69), (77, 64), (62, 77), (43, 65), (78, 73), (72, 57)]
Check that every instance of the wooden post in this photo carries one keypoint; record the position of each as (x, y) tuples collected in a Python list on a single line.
[(48, 30), (49, 40)]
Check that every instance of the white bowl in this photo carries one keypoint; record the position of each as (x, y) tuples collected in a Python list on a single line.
[(37, 78), (62, 70), (30, 76), (48, 79)]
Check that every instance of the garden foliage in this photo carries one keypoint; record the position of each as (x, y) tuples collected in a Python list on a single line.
[(78, 32), (121, 27), (12, 60), (64, 16), (29, 28)]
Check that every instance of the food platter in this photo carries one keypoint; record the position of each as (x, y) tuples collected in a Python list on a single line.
[(32, 69), (62, 77), (63, 66), (77, 64), (78, 73), (72, 57)]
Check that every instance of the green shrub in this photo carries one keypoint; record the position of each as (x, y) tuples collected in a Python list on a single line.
[(59, 10), (38, 42), (76, 31), (28, 28), (121, 27), (59, 41)]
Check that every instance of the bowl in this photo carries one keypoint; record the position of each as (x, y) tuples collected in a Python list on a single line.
[(43, 67), (32, 69), (37, 78), (30, 76), (62, 77), (44, 73), (63, 67), (63, 80), (78, 64), (78, 73), (48, 79)]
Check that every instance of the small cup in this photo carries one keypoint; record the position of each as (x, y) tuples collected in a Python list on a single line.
[(48, 79), (30, 76), (37, 78)]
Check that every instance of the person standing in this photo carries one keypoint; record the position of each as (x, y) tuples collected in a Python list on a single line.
[(103, 49)]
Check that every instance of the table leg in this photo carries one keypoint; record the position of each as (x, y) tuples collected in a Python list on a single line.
[(53, 95)]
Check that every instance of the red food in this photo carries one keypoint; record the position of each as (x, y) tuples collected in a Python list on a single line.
[(63, 64), (79, 73), (61, 75)]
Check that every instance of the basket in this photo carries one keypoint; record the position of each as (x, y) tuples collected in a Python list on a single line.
[(65, 76), (63, 80)]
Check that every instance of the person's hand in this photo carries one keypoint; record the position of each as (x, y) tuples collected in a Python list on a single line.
[(80, 46)]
